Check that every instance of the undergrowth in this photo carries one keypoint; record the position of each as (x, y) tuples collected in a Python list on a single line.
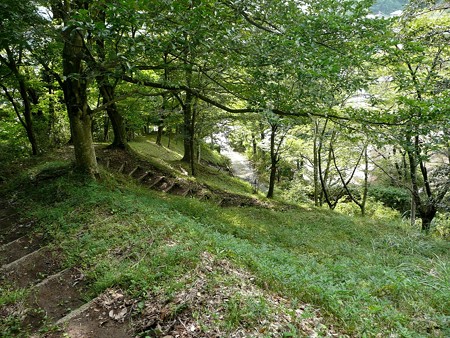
[(367, 277)]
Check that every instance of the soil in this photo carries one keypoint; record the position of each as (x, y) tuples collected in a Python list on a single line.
[(107, 316), (31, 269), (21, 247), (55, 297)]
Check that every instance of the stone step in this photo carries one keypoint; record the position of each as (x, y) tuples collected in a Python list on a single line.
[(53, 298), (131, 173), (154, 183), (31, 269), (20, 247), (14, 230), (106, 316), (120, 170)]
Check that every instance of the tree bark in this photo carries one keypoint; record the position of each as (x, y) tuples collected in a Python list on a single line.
[(75, 95), (187, 130), (254, 144), (117, 122), (161, 114), (316, 165), (273, 161), (105, 128)]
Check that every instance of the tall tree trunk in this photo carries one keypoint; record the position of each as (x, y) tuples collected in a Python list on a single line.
[(159, 133), (254, 143), (192, 137), (187, 129), (106, 128), (366, 182), (29, 126), (75, 95), (48, 78), (415, 197), (273, 161), (316, 165), (107, 90), (161, 115), (117, 122)]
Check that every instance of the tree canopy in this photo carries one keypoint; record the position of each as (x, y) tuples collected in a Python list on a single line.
[(332, 69)]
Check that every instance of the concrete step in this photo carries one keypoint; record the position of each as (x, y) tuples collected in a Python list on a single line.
[(53, 298), (31, 269), (20, 247), (106, 316)]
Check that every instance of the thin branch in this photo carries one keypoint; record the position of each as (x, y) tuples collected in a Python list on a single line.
[(213, 102), (16, 109), (123, 97)]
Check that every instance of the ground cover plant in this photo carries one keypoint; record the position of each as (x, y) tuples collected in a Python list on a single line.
[(114, 194), (366, 277)]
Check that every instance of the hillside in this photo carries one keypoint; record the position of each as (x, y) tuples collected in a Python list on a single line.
[(213, 260)]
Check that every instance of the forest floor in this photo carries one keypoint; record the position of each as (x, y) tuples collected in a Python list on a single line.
[(113, 258)]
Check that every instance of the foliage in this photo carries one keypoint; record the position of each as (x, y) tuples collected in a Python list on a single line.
[(13, 142), (368, 276), (391, 197), (375, 209), (299, 191), (441, 225)]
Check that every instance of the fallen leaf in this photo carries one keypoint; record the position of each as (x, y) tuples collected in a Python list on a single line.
[(118, 315)]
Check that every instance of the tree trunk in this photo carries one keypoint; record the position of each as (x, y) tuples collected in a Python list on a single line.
[(426, 215), (192, 138), (106, 128), (159, 134), (187, 129), (85, 160), (272, 177), (23, 90), (415, 197), (366, 182), (117, 122), (273, 162), (316, 165), (27, 114), (254, 143), (75, 95)]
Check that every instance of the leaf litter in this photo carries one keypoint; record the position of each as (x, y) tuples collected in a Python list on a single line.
[(220, 300)]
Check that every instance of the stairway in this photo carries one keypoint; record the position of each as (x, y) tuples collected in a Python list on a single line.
[(146, 175), (122, 162), (53, 302)]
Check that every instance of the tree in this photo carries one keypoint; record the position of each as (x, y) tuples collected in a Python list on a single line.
[(278, 132), (75, 82), (15, 21), (417, 68)]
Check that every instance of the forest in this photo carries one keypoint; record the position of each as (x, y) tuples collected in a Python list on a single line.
[(338, 109)]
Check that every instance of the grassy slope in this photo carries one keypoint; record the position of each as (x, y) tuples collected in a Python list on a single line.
[(369, 278)]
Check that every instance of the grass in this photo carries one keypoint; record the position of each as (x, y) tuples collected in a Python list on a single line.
[(367, 277), (168, 159)]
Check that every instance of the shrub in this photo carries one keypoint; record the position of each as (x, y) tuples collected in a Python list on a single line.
[(374, 209), (392, 197), (441, 225), (299, 191)]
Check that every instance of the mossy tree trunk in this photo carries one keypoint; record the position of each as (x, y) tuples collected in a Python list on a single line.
[(75, 96)]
